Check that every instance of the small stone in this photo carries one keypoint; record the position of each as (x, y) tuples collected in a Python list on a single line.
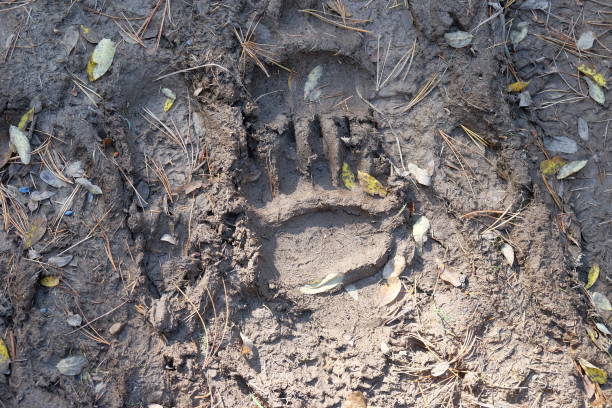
[(74, 320), (72, 365), (116, 328)]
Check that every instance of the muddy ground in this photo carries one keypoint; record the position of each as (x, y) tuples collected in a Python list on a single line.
[(186, 271)]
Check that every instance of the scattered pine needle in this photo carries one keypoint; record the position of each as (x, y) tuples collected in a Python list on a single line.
[(476, 138), (338, 21), (256, 51), (425, 90)]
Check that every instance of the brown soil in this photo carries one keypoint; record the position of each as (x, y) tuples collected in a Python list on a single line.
[(256, 204)]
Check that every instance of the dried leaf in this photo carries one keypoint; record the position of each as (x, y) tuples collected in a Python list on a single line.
[(394, 267), (49, 281), (420, 229), (594, 373), (247, 346), (101, 59), (518, 35), (602, 328), (508, 253), (535, 5), (583, 129), (22, 144), (89, 34), (370, 185), (169, 239), (552, 166), (585, 41), (37, 230), (595, 92), (41, 195), (560, 144), (524, 99), (348, 178), (328, 283), (517, 86), (593, 74), (72, 365), (601, 301), (51, 179), (70, 39), (25, 118), (311, 93), (440, 368), (92, 188), (388, 291), (571, 168), (74, 170), (420, 175), (593, 275), (458, 39), (60, 261), (452, 276)]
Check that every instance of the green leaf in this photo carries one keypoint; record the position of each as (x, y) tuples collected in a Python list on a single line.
[(593, 275), (552, 166), (370, 185), (348, 178), (594, 373)]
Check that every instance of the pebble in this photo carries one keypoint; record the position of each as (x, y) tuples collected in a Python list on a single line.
[(115, 329), (74, 320)]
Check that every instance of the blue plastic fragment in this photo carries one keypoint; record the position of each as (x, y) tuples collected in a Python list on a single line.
[(24, 190), (69, 213)]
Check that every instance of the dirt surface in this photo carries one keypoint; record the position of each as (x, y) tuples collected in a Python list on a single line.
[(189, 270)]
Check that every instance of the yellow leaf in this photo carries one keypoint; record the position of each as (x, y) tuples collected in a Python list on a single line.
[(168, 104), (552, 166), (594, 373), (4, 354), (593, 275), (370, 185), (27, 117), (37, 230), (348, 178), (49, 281), (517, 86), (594, 75)]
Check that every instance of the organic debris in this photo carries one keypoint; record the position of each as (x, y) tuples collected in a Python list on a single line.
[(370, 185), (70, 39), (60, 261), (348, 178), (520, 33), (571, 168), (89, 186), (355, 399), (5, 358), (583, 129), (601, 301), (72, 365), (170, 98), (256, 51), (595, 92), (419, 230), (593, 75), (394, 267), (560, 144), (35, 232), (594, 373), (388, 291), (552, 166), (342, 21), (421, 176), (592, 277), (21, 143), (331, 281), (311, 90), (508, 253), (49, 281), (50, 178), (458, 39), (518, 86), (585, 41), (101, 59), (247, 346)]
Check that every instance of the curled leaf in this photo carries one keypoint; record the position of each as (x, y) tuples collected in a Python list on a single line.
[(49, 281), (348, 178), (168, 104), (508, 253), (593, 74), (328, 283), (517, 86), (452, 276), (571, 168), (593, 275), (370, 185), (552, 166), (388, 291), (92, 188), (22, 144), (594, 373), (458, 39), (101, 59)]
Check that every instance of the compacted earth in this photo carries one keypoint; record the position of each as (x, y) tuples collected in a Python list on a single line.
[(305, 204)]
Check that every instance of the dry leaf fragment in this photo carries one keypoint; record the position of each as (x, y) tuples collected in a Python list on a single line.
[(370, 185), (517, 86), (20, 141), (60, 261), (594, 373), (440, 368), (585, 41), (601, 301), (420, 229), (101, 59), (452, 276), (70, 39), (394, 267), (560, 144), (26, 118), (328, 283), (458, 39), (602, 328), (552, 166), (170, 98), (49, 281), (37, 230), (247, 346), (89, 186), (41, 195), (583, 129), (388, 291), (169, 239), (571, 168), (89, 34), (593, 74), (422, 176), (348, 178), (518, 35), (75, 170), (508, 253), (535, 5), (595, 92), (311, 93), (593, 275), (71, 365)]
